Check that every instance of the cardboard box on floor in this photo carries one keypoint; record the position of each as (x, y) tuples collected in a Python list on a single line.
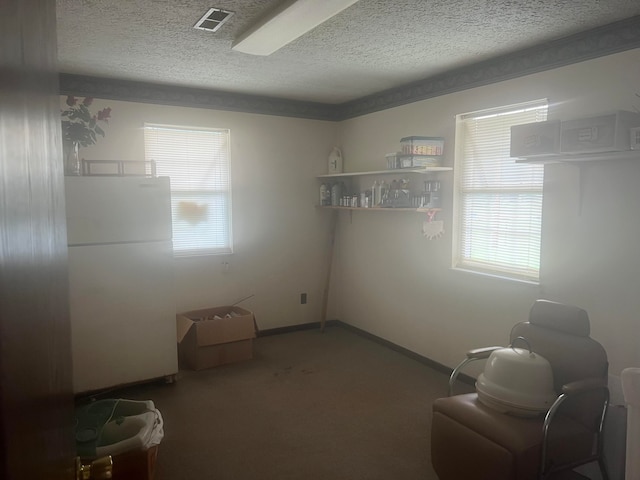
[(215, 336)]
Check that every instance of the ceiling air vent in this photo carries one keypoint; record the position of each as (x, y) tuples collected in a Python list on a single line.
[(213, 19)]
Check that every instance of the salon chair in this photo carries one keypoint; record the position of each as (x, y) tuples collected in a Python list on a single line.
[(470, 440)]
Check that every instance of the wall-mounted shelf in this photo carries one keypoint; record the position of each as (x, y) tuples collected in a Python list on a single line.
[(396, 171), (384, 209), (582, 157)]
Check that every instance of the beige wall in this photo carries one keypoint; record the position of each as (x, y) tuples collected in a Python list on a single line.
[(280, 239), (387, 278), (394, 283)]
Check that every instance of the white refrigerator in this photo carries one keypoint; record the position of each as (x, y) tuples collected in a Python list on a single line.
[(122, 305)]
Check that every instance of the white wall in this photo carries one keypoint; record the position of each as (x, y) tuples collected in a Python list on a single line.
[(280, 238), (394, 283), (387, 278)]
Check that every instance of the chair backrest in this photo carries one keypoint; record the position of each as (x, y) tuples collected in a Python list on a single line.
[(560, 333)]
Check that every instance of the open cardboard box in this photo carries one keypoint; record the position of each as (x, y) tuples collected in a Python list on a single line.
[(215, 336)]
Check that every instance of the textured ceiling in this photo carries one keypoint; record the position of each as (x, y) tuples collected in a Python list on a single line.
[(371, 46)]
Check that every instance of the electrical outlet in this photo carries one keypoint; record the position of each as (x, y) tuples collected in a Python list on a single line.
[(303, 299)]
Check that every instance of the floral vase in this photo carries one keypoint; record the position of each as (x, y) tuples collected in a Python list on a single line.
[(71, 158)]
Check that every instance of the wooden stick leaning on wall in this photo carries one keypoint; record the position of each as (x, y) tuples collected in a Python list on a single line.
[(327, 282)]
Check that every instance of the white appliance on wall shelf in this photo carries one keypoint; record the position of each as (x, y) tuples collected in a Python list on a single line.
[(122, 307)]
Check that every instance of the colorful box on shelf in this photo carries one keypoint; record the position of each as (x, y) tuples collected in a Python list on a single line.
[(432, 146), (418, 161)]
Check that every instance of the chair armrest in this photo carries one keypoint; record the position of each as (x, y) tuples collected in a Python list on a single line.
[(472, 355), (569, 390), (584, 385), (480, 353)]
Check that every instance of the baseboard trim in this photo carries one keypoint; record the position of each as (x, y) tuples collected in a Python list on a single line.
[(369, 336), (406, 352), (295, 328)]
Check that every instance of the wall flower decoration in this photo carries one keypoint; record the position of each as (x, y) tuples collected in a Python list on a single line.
[(79, 125)]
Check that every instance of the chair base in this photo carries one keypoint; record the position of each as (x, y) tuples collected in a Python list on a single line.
[(470, 440)]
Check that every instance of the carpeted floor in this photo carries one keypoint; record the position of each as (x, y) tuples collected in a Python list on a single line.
[(310, 405)]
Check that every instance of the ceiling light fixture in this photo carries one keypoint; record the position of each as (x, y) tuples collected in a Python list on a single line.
[(290, 21)]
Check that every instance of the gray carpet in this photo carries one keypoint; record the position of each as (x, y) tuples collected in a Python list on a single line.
[(310, 405), (318, 406)]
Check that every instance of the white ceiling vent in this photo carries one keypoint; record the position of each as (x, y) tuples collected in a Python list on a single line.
[(213, 19)]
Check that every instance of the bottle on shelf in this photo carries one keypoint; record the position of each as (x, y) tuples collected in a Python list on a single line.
[(434, 194), (325, 194), (380, 193), (375, 200), (335, 161), (336, 194), (393, 193)]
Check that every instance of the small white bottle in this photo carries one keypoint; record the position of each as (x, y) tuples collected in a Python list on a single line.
[(335, 161)]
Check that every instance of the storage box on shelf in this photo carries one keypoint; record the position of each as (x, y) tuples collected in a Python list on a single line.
[(535, 139), (417, 152), (601, 137), (422, 145), (418, 161), (401, 160), (604, 133)]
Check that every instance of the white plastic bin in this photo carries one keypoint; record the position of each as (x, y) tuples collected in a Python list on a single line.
[(115, 426)]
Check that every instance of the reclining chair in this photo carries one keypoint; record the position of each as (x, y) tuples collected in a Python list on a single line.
[(472, 440)]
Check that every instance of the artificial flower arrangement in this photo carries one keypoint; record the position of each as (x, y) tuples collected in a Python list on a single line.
[(79, 125)]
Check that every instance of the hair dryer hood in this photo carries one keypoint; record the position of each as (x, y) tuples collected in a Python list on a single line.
[(516, 381)]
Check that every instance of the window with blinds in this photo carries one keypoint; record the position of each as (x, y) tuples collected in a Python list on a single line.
[(198, 164), (498, 201)]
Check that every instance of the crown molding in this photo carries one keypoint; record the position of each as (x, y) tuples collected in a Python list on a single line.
[(132, 91), (606, 40)]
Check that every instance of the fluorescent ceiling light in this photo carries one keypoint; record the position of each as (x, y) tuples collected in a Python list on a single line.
[(290, 21)]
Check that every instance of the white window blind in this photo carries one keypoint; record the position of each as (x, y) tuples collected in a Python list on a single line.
[(498, 201), (197, 162)]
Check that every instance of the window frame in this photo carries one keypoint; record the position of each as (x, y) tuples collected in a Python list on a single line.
[(498, 265), (227, 230)]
